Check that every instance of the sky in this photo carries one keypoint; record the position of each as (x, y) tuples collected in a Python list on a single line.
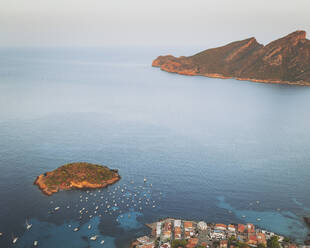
[(148, 22)]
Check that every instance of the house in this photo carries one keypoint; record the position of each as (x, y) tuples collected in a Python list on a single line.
[(165, 245), (252, 240), (192, 242), (158, 229), (167, 230), (177, 232), (188, 225), (220, 227), (223, 243), (250, 228), (241, 228), (177, 223), (261, 238), (231, 228), (187, 234)]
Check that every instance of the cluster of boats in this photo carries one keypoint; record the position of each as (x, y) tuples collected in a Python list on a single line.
[(118, 201)]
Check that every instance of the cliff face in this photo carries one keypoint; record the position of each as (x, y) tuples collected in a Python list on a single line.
[(286, 60)]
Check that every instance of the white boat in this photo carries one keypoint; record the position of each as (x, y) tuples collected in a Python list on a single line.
[(35, 243), (57, 208), (1, 234), (93, 237), (89, 227), (102, 242), (258, 219), (14, 240), (144, 179), (28, 226), (75, 229)]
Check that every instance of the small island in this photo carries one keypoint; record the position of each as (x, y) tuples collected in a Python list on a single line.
[(76, 175)]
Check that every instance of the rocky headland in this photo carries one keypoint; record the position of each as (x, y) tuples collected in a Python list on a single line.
[(283, 61), (76, 175)]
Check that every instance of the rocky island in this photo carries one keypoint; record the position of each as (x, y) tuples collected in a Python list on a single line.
[(284, 61), (76, 175)]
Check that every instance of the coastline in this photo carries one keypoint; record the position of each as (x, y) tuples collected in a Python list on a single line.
[(74, 185), (220, 76), (170, 232)]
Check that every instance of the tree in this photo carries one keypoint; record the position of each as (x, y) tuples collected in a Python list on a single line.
[(260, 245), (179, 243), (273, 242)]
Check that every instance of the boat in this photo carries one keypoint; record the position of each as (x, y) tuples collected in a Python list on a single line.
[(1, 234), (102, 242), (144, 180), (14, 240), (35, 243), (93, 237), (258, 219), (89, 227), (57, 208), (28, 226), (75, 229)]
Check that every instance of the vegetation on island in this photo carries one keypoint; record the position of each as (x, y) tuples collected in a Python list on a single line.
[(78, 175)]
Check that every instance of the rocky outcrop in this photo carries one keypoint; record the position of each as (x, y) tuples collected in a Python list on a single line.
[(76, 175), (285, 61)]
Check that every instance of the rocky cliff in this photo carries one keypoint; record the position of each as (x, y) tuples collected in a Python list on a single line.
[(286, 60)]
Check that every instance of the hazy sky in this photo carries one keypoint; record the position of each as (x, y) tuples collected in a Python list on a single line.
[(148, 22)]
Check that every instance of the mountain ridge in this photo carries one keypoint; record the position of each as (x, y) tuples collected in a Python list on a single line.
[(285, 60)]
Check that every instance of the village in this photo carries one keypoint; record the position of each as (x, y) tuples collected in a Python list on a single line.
[(176, 233)]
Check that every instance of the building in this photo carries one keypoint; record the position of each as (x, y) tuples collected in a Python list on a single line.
[(188, 225), (261, 238), (231, 228), (202, 225), (158, 229), (166, 233), (250, 228), (241, 228), (177, 232), (177, 223), (192, 242), (252, 240), (220, 227)]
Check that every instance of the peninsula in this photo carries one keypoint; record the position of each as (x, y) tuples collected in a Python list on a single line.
[(76, 175), (283, 61)]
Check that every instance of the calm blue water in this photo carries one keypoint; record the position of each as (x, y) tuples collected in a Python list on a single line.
[(218, 150)]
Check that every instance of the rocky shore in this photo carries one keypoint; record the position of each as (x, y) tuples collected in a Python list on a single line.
[(76, 175)]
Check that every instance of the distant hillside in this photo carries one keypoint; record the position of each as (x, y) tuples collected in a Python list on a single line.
[(286, 60)]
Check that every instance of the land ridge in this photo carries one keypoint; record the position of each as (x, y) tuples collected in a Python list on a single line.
[(283, 61)]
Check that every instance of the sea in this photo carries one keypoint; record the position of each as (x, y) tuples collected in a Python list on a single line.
[(223, 151)]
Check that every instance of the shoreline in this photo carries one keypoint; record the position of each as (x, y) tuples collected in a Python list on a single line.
[(220, 76)]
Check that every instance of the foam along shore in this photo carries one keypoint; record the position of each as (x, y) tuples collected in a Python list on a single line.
[(76, 175)]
